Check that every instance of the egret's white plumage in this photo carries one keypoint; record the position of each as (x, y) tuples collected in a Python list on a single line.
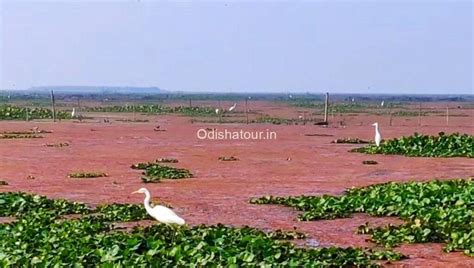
[(381, 104), (217, 110), (378, 136), (73, 114), (160, 213), (232, 107)]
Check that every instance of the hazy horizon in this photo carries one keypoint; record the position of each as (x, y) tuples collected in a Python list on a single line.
[(387, 47)]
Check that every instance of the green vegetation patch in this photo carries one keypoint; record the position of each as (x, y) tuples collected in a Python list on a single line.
[(155, 109), (335, 107), (435, 211), (443, 145), (8, 112), (40, 237), (274, 120), (20, 204), (122, 212), (79, 175), (155, 172)]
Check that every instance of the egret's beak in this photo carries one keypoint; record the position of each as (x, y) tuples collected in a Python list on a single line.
[(136, 192)]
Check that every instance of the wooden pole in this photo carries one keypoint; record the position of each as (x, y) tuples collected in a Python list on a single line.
[(391, 114), (419, 114), (133, 109), (220, 111), (79, 113), (53, 106), (326, 106), (246, 110), (447, 115)]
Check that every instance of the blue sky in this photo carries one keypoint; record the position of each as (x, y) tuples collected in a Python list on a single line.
[(275, 46)]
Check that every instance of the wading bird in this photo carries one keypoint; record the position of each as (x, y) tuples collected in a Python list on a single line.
[(232, 107), (381, 104), (218, 110), (73, 114), (378, 136), (160, 213)]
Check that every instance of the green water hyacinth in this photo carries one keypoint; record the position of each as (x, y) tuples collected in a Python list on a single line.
[(453, 145), (42, 235), (8, 112), (155, 172), (435, 211)]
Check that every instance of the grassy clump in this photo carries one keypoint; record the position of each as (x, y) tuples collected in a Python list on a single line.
[(166, 160), (26, 132), (39, 237), (79, 175), (425, 146), (20, 136), (351, 141), (435, 211), (133, 120), (369, 162), (228, 158), (155, 172), (57, 145)]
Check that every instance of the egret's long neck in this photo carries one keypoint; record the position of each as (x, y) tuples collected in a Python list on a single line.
[(377, 128), (146, 202)]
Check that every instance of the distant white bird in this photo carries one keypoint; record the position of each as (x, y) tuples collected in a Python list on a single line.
[(353, 100), (378, 136), (290, 96), (381, 104), (218, 110), (160, 213), (73, 114), (232, 107)]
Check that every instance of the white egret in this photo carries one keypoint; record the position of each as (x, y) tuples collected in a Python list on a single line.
[(218, 110), (378, 136), (381, 104), (73, 114), (232, 107), (160, 213)]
